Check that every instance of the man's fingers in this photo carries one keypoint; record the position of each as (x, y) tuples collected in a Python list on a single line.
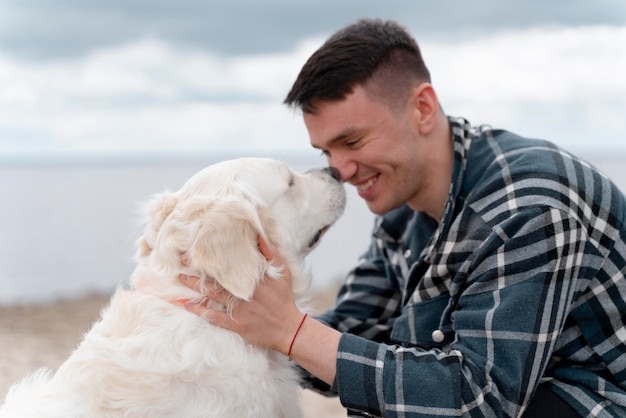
[(266, 249), (212, 316), (211, 291), (204, 287), (270, 253), (198, 308), (192, 282)]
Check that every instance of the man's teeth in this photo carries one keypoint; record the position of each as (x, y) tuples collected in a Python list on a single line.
[(366, 185)]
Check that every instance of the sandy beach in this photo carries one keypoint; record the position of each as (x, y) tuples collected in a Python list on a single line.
[(43, 336)]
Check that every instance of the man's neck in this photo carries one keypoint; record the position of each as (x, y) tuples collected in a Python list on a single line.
[(439, 169)]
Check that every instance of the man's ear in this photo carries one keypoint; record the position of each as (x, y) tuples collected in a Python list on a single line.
[(226, 246), (155, 212), (426, 104)]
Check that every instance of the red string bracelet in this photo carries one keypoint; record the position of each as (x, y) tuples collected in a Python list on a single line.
[(293, 340)]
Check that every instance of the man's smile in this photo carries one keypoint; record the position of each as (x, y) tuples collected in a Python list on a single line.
[(365, 186)]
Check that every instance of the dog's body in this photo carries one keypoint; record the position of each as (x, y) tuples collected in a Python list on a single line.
[(147, 357)]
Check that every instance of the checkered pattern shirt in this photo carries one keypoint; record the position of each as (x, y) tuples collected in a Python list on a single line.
[(521, 284)]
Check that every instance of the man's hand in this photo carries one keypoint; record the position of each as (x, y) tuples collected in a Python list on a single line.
[(268, 320)]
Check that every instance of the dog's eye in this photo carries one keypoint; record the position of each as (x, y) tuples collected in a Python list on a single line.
[(315, 238), (291, 181)]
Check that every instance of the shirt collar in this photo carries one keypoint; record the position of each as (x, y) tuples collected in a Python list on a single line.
[(390, 226)]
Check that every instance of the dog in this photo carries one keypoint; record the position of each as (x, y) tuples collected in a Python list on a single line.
[(147, 357)]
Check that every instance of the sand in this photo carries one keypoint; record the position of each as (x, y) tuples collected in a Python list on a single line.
[(43, 336)]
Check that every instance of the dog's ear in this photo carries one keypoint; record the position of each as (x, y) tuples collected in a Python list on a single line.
[(155, 212), (226, 246)]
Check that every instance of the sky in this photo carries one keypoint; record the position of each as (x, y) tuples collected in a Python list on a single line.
[(139, 77)]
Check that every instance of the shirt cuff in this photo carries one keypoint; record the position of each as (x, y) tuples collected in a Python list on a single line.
[(356, 376)]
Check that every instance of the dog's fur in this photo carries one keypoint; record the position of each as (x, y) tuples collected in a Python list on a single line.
[(147, 357)]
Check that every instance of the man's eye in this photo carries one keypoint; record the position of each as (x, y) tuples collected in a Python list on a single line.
[(353, 143)]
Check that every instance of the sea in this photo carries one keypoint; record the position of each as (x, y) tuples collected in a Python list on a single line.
[(68, 225)]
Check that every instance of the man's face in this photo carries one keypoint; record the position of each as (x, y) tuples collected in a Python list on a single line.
[(377, 149)]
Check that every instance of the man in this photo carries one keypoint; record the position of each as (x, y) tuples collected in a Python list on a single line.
[(494, 283)]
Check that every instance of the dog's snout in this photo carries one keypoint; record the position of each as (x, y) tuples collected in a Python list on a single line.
[(334, 173)]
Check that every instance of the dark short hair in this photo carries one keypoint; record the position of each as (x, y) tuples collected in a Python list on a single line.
[(369, 51)]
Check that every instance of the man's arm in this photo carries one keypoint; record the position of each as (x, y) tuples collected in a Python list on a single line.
[(516, 293), (511, 299)]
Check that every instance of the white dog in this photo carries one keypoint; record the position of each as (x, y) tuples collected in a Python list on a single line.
[(147, 357)]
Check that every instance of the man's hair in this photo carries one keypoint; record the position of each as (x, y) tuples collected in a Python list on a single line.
[(380, 55)]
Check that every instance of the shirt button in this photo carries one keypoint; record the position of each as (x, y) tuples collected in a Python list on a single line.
[(407, 253), (438, 336)]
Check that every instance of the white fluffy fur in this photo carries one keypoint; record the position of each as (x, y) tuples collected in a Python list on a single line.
[(146, 357)]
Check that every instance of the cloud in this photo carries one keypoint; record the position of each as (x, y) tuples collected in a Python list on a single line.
[(563, 84), (147, 95), (41, 29)]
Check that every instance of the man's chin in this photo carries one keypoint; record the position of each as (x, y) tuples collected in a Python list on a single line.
[(379, 208)]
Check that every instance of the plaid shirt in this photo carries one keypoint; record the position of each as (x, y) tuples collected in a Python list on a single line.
[(521, 284)]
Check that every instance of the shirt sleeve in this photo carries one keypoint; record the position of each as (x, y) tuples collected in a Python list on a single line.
[(515, 292), (369, 300)]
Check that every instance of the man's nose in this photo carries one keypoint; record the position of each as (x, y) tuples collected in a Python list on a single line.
[(345, 167)]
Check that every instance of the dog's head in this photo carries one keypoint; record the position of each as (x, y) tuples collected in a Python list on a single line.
[(218, 215)]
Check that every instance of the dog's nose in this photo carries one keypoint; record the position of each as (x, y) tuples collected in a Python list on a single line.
[(334, 173)]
